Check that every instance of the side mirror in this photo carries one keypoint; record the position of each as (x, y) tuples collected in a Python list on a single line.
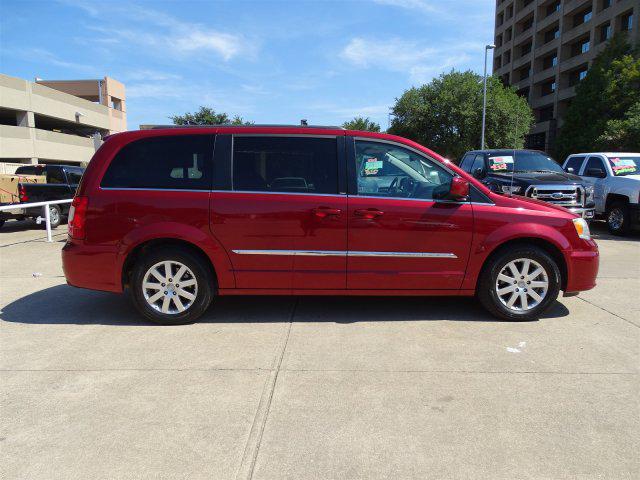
[(595, 172), (478, 173), (459, 189), (570, 170)]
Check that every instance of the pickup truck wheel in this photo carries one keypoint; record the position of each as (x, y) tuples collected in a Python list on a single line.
[(171, 286), (55, 216), (1, 222), (519, 284), (618, 221)]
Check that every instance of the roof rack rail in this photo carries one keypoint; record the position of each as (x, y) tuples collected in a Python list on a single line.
[(275, 125)]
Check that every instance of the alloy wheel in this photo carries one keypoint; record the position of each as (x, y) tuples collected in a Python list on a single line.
[(522, 284), (616, 219), (170, 287)]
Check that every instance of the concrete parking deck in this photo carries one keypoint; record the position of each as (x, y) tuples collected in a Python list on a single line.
[(315, 388)]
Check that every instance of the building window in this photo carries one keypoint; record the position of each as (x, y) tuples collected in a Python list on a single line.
[(551, 34), (500, 20), (545, 114), (578, 75), (524, 72), (507, 57), (508, 34), (605, 32), (550, 61), (626, 22), (553, 7), (509, 12), (526, 25), (579, 47), (604, 4), (547, 88), (499, 41), (525, 49), (583, 17)]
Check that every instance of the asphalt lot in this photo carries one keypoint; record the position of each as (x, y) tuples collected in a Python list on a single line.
[(315, 388)]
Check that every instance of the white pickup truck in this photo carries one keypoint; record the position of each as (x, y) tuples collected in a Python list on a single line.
[(616, 180)]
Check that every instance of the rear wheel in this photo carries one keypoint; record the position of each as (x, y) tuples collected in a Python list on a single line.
[(519, 284), (618, 221), (55, 217), (171, 286)]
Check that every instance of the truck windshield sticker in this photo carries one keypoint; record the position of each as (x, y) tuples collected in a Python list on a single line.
[(500, 163), (372, 165), (623, 166)]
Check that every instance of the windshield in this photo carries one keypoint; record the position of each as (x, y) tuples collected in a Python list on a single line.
[(524, 162), (626, 165)]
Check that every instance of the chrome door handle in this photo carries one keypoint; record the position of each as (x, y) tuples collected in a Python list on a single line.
[(369, 213), (323, 212)]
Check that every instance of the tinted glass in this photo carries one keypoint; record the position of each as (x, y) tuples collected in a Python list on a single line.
[(478, 162), (74, 176), (593, 162), (55, 175), (574, 163), (525, 161), (388, 170), (285, 164), (30, 170), (465, 164), (175, 162)]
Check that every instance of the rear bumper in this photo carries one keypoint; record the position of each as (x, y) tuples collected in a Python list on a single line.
[(582, 269), (92, 267)]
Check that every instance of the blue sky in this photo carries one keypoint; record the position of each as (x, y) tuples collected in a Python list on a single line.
[(268, 61)]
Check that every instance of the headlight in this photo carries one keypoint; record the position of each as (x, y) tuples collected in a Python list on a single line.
[(510, 189), (582, 228), (589, 192)]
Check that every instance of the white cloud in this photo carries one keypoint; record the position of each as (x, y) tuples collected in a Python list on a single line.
[(419, 62), (424, 5), (164, 33)]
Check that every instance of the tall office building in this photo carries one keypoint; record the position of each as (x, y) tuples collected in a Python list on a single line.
[(545, 47)]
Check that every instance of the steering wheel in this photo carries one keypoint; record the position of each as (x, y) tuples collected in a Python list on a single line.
[(393, 185)]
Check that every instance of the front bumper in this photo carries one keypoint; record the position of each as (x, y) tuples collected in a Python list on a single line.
[(588, 213), (582, 268)]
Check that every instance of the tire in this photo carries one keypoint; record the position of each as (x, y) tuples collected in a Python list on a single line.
[(202, 290), (55, 217), (1, 222), (489, 285), (618, 219)]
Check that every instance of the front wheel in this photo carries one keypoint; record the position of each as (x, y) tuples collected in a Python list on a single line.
[(171, 286), (519, 284), (618, 221)]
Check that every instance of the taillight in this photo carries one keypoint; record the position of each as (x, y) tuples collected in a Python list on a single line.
[(22, 194), (77, 217)]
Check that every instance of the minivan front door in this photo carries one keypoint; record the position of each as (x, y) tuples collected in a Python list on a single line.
[(402, 235), (283, 220)]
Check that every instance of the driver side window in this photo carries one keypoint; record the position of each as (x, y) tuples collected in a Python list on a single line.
[(387, 170)]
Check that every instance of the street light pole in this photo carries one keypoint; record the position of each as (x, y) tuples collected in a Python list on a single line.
[(484, 96)]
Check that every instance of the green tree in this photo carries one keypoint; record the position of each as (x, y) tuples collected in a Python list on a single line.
[(446, 114), (363, 124), (207, 116), (604, 114)]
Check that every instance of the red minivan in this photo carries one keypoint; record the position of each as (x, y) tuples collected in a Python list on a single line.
[(178, 216)]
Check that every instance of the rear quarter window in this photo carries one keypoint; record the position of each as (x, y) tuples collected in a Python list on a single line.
[(181, 162)]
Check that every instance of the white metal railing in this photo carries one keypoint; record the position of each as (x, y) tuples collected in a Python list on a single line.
[(45, 207)]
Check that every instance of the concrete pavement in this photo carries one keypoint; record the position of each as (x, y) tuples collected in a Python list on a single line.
[(315, 388)]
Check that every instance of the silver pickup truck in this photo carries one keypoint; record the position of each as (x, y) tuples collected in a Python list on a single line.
[(615, 177)]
